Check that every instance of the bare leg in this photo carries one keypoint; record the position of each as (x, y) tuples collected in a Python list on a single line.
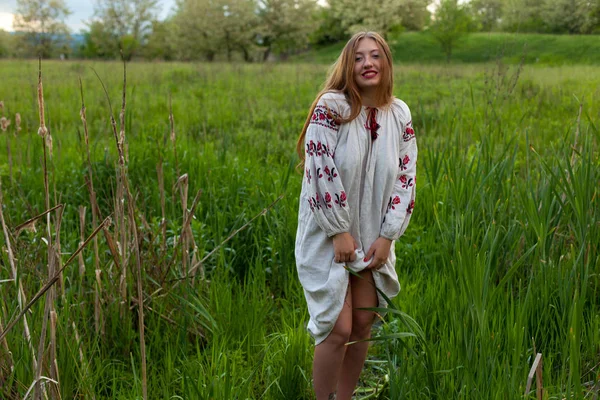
[(329, 354), (363, 295)]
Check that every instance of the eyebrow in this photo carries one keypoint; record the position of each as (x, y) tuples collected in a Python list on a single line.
[(370, 51)]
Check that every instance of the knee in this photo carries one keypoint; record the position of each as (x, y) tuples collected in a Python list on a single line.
[(340, 335), (361, 325)]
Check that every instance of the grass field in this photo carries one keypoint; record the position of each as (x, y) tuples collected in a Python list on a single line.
[(501, 260)]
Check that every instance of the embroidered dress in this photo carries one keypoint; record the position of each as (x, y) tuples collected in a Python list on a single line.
[(359, 178)]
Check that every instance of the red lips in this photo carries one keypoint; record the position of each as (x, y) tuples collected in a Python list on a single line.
[(369, 72)]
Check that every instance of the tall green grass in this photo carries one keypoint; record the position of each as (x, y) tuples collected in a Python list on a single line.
[(500, 261)]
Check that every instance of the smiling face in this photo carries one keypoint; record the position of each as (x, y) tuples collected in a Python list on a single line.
[(368, 62)]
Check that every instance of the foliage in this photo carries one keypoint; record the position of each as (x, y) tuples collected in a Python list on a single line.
[(45, 32), (7, 44), (452, 22), (160, 44), (358, 15), (125, 23), (285, 25), (532, 48), (487, 14), (99, 42)]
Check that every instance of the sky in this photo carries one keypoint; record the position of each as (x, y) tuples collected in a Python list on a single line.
[(81, 10)]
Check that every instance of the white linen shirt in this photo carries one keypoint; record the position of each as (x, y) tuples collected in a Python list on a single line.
[(352, 183)]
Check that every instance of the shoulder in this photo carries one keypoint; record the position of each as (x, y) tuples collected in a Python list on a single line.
[(401, 110), (335, 101)]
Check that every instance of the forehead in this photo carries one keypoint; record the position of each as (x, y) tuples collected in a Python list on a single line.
[(366, 45)]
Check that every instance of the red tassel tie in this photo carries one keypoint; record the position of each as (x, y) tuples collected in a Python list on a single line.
[(372, 124)]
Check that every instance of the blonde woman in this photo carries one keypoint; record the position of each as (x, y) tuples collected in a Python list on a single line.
[(359, 155)]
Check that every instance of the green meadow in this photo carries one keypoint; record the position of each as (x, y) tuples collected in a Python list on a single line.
[(501, 260)]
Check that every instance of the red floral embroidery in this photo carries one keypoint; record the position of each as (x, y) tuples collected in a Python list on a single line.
[(308, 177), (403, 163), (330, 173), (319, 174), (393, 203), (409, 132), (318, 149), (341, 199), (328, 200), (406, 181), (327, 118), (410, 207)]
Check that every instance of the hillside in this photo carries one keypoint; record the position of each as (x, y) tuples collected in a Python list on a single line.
[(421, 47)]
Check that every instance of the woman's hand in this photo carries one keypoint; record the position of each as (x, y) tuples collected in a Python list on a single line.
[(379, 252), (344, 246)]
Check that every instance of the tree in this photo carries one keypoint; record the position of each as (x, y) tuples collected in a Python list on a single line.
[(359, 15), (127, 21), (415, 15), (99, 42), (197, 25), (160, 42), (569, 16), (42, 22), (487, 13), (523, 16), (451, 23), (286, 25), (6, 44)]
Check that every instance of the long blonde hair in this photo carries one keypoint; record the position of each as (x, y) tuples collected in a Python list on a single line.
[(341, 79)]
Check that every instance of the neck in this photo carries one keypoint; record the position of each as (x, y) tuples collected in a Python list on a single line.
[(368, 98)]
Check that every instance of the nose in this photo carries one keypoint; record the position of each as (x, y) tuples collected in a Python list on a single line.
[(368, 63)]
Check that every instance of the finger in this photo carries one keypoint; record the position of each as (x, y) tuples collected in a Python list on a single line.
[(355, 244), (374, 263), (369, 254), (352, 256)]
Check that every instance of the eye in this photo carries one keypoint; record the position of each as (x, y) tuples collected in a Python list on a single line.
[(358, 59), (375, 55)]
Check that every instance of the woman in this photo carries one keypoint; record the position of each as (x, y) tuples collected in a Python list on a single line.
[(359, 154)]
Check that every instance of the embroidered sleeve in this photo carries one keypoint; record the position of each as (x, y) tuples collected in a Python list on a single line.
[(326, 195), (402, 201)]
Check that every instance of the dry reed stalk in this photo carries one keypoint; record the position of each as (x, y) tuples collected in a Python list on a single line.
[(172, 136), (134, 231), (117, 248), (139, 293), (43, 131), (98, 320), (184, 229), (81, 239), (163, 221), (54, 365), (58, 218), (52, 281), (90, 178), (30, 223), (183, 185), (21, 299)]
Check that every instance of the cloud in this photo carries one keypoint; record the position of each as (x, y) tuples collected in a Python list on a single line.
[(6, 20)]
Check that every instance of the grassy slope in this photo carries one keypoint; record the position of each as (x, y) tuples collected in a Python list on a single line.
[(502, 251), (417, 47)]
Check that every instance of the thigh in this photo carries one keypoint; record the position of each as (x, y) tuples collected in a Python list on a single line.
[(364, 295)]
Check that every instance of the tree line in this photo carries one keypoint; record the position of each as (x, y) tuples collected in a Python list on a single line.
[(257, 30)]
